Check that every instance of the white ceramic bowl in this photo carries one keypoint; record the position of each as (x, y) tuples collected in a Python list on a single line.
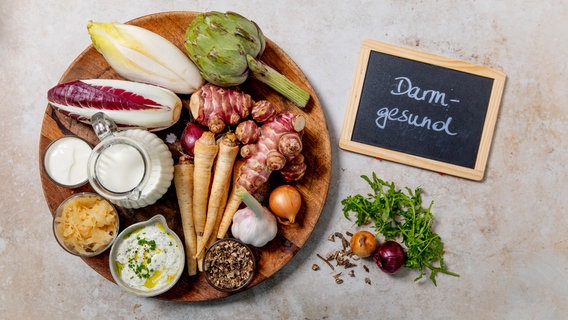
[(147, 258)]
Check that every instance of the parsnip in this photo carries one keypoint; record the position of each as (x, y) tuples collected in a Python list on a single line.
[(183, 182), (236, 167), (204, 155), (228, 151)]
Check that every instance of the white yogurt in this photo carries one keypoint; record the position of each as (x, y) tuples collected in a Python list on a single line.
[(65, 161)]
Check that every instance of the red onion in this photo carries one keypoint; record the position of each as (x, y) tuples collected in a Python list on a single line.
[(190, 134), (389, 257)]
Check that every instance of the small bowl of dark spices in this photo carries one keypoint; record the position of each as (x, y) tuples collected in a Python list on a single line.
[(229, 265)]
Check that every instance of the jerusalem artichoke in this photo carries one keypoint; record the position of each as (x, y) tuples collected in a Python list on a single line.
[(217, 107), (247, 132), (263, 111), (281, 133), (294, 169)]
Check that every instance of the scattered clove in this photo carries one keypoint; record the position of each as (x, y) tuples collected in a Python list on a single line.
[(326, 261), (331, 237), (338, 279)]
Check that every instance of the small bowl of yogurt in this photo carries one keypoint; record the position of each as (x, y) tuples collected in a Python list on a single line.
[(65, 161), (147, 258)]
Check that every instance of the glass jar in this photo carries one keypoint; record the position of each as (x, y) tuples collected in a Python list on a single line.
[(132, 168)]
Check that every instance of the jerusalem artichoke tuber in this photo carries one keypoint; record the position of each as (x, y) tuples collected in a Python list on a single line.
[(247, 132), (294, 169), (217, 107), (263, 111)]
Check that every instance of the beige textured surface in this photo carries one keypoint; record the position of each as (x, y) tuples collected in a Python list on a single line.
[(505, 236)]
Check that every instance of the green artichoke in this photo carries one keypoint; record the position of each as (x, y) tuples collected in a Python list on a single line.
[(225, 48)]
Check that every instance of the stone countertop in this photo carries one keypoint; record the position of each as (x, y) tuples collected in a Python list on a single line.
[(505, 236)]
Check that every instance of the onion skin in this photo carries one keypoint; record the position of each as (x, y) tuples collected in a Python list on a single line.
[(191, 133), (389, 257), (285, 202), (363, 244)]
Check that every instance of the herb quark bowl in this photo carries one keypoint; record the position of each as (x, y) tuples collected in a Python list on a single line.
[(147, 258)]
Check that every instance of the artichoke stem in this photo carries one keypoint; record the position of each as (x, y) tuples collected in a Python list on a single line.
[(278, 82)]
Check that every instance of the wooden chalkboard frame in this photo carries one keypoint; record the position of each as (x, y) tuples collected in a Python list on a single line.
[(474, 173)]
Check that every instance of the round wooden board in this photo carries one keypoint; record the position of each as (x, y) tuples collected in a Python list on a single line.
[(313, 186)]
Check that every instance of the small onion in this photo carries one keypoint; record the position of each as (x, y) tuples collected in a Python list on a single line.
[(285, 202), (363, 244), (389, 257), (191, 133)]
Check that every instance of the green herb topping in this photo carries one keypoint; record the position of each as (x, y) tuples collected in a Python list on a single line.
[(140, 260)]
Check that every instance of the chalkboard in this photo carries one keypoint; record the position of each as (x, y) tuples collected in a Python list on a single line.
[(423, 110)]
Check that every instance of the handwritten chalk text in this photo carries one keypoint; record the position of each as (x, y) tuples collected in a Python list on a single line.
[(404, 87), (395, 114)]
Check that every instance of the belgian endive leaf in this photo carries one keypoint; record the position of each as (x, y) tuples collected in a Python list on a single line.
[(140, 55)]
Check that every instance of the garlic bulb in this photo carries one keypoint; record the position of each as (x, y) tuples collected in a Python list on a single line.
[(254, 225)]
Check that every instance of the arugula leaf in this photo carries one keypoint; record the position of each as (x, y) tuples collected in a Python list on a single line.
[(399, 215)]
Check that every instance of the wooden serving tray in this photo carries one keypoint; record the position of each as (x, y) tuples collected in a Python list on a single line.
[(313, 186)]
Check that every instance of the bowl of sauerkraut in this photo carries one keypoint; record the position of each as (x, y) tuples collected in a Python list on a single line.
[(85, 224)]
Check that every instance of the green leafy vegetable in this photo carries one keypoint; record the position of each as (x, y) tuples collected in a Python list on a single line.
[(399, 215)]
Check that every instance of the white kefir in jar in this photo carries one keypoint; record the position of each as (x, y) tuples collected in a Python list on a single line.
[(120, 168)]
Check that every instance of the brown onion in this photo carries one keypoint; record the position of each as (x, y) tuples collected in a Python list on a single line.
[(363, 244), (285, 202)]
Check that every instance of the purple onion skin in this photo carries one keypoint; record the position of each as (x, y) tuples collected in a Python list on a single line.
[(389, 256), (191, 133)]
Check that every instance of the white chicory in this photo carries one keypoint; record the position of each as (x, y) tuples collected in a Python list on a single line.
[(141, 55)]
